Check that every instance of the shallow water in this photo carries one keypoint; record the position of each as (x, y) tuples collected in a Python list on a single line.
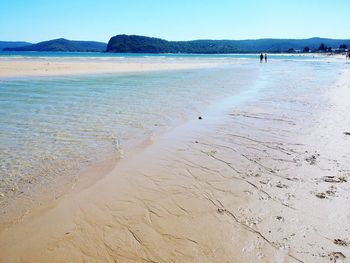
[(54, 126), (138, 56)]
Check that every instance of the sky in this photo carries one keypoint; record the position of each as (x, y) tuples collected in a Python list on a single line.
[(98, 20)]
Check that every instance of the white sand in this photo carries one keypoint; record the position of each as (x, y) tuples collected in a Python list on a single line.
[(53, 67), (21, 67)]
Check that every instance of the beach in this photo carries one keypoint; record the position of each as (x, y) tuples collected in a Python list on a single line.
[(262, 176), (36, 65), (56, 68)]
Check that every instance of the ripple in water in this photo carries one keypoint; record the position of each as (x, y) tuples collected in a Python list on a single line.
[(52, 127)]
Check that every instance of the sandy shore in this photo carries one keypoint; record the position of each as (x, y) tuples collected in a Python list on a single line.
[(24, 67), (260, 184), (53, 67)]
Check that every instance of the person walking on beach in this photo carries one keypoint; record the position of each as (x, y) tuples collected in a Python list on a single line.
[(261, 57), (265, 58)]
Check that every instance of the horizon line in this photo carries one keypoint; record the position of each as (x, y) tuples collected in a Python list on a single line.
[(219, 39)]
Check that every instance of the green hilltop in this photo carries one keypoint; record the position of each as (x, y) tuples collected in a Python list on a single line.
[(62, 45), (142, 44), (13, 44)]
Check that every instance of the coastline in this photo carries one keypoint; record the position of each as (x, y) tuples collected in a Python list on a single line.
[(44, 186), (238, 184), (14, 67), (52, 67)]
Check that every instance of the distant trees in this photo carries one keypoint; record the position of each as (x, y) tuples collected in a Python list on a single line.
[(142, 44), (306, 49), (343, 46), (324, 48), (321, 48)]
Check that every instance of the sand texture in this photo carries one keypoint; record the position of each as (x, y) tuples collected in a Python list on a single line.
[(267, 182), (53, 67)]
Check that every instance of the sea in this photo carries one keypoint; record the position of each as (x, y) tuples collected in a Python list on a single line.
[(51, 128)]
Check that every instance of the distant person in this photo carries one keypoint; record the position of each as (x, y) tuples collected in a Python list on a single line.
[(261, 57), (265, 58)]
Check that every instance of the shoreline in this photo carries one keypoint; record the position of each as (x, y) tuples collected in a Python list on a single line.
[(13, 67), (16, 204), (52, 67), (241, 178)]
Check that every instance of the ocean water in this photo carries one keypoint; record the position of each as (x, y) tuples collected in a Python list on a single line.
[(153, 57), (52, 127)]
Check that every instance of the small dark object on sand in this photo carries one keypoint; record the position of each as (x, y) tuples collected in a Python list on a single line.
[(334, 179), (347, 133), (221, 210), (311, 160), (340, 242), (336, 255), (321, 195), (199, 118), (280, 185)]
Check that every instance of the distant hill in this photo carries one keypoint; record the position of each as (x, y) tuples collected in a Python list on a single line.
[(63, 45), (12, 44), (142, 44)]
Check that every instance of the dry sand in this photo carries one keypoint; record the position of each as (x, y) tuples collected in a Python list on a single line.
[(19, 67), (267, 182)]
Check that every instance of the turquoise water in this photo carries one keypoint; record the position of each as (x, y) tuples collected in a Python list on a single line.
[(52, 127)]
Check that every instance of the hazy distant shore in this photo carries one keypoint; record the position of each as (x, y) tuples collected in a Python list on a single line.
[(253, 183), (12, 66), (143, 44)]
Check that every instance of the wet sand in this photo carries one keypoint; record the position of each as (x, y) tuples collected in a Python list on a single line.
[(16, 67), (25, 67), (267, 181)]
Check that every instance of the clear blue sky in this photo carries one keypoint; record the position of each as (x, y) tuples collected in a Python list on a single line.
[(38, 20)]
